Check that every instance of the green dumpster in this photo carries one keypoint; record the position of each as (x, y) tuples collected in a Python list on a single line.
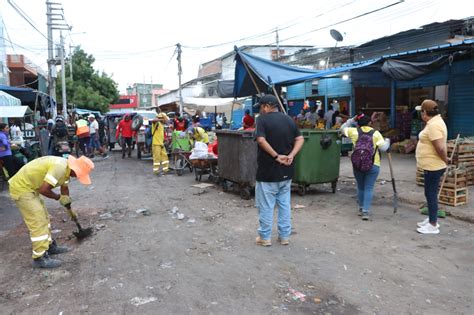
[(318, 160)]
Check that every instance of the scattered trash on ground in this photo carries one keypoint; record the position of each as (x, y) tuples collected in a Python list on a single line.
[(199, 193), (383, 182), (137, 301), (56, 231), (191, 220), (143, 211), (106, 216), (174, 210), (100, 226), (202, 185), (317, 300), (298, 207), (180, 216), (166, 265), (297, 295)]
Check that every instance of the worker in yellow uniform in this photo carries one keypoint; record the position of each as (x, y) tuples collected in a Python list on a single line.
[(160, 157), (198, 134), (40, 177)]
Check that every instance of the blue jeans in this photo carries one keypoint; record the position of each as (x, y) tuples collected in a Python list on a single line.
[(267, 195), (432, 179), (365, 187), (94, 142)]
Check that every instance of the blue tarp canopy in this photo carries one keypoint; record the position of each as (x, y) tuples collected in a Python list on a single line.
[(26, 95), (265, 72), (268, 73), (335, 71)]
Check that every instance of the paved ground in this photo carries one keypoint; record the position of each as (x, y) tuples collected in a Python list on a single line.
[(207, 262)]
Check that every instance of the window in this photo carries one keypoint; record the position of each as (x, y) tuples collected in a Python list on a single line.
[(276, 53)]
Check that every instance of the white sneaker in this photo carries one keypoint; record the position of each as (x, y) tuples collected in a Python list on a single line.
[(425, 222), (428, 229)]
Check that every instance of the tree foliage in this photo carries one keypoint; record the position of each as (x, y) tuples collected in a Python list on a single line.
[(88, 88)]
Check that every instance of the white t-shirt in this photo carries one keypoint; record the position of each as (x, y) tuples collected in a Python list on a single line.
[(16, 133), (93, 127)]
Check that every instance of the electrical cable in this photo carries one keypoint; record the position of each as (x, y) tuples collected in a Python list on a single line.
[(343, 21), (270, 31), (20, 12)]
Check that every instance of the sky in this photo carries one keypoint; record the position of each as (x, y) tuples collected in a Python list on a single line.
[(134, 41)]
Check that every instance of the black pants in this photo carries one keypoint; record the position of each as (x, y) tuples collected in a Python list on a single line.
[(11, 164), (84, 145), (432, 179), (126, 143)]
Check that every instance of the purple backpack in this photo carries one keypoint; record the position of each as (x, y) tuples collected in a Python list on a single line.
[(363, 156)]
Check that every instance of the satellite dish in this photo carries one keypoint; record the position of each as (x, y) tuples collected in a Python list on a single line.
[(336, 35)]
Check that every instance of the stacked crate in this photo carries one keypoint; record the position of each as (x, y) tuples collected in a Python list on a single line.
[(454, 192), (403, 124), (464, 157), (420, 177)]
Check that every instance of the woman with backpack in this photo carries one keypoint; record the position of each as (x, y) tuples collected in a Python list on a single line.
[(365, 158)]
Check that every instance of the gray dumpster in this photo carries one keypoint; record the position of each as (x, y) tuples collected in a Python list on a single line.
[(237, 160)]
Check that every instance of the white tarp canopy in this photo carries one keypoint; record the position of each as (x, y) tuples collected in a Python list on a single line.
[(209, 105), (13, 111), (8, 100)]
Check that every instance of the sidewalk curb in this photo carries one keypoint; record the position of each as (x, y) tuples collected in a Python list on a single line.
[(449, 212)]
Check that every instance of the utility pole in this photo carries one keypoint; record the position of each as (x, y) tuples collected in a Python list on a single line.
[(52, 24), (278, 44), (51, 61), (63, 75), (180, 71), (70, 61)]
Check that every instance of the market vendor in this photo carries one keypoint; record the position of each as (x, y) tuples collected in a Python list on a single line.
[(248, 122), (198, 134), (179, 123), (11, 163)]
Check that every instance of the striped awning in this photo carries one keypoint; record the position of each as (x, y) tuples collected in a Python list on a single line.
[(8, 100)]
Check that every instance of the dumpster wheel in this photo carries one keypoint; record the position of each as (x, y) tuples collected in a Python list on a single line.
[(334, 186), (245, 193), (301, 190), (225, 185)]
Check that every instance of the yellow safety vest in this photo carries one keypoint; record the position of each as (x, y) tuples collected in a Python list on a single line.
[(158, 133), (53, 170), (82, 127), (201, 135)]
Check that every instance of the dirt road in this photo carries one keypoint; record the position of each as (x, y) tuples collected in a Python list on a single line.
[(208, 263)]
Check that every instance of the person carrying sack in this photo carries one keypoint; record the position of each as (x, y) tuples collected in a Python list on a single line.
[(365, 158)]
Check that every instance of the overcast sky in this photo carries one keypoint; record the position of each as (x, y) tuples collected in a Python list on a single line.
[(133, 41)]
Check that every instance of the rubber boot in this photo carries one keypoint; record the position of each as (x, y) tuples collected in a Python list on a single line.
[(55, 249), (46, 262)]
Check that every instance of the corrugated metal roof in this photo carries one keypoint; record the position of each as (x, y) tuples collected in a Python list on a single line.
[(433, 48)]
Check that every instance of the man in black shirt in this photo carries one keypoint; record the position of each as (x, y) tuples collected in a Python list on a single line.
[(279, 140)]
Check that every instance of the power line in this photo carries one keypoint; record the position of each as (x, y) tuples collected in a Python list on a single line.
[(343, 21), (272, 30), (25, 17), (8, 35)]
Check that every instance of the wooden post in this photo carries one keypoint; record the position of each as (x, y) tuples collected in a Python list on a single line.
[(278, 98)]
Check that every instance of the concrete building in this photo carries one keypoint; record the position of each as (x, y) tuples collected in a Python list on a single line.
[(147, 93), (4, 79)]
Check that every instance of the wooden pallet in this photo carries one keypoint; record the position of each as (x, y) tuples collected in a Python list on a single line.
[(420, 177), (454, 197)]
